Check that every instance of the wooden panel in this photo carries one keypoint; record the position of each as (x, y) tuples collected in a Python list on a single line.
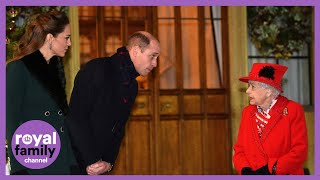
[(168, 148), (192, 157), (120, 166), (191, 104), (216, 153), (168, 105), (216, 103), (141, 106), (138, 147)]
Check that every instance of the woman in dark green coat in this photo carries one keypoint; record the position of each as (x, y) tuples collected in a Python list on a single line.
[(35, 86)]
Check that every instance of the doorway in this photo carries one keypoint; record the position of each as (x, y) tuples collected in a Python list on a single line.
[(180, 122)]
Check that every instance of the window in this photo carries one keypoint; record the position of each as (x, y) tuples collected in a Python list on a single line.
[(274, 24)]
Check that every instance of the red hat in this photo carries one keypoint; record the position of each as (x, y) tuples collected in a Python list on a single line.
[(267, 73)]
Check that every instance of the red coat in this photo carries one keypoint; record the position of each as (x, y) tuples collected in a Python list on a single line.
[(284, 139)]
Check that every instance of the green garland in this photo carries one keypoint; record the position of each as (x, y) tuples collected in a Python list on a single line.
[(279, 31), (16, 19)]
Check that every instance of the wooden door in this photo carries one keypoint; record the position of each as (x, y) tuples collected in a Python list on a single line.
[(180, 120)]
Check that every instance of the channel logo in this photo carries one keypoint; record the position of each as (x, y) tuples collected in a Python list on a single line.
[(35, 144)]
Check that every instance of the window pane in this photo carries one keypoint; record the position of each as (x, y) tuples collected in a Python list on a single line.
[(88, 43), (165, 12), (87, 11), (212, 61), (190, 54), (136, 11), (215, 10), (112, 36), (189, 12), (296, 84), (112, 11), (136, 25), (167, 59)]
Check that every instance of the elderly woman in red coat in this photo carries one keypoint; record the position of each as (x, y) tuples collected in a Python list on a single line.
[(272, 138)]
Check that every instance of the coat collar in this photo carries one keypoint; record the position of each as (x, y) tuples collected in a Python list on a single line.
[(126, 62), (128, 73), (48, 76), (276, 113)]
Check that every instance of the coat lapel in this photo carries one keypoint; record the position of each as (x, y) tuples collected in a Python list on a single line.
[(48, 76), (276, 114), (254, 130)]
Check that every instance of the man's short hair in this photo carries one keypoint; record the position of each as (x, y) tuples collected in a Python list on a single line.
[(138, 39)]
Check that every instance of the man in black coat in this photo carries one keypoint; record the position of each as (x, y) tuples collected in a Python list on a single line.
[(103, 94)]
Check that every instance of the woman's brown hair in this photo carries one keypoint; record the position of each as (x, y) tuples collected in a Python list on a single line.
[(52, 22)]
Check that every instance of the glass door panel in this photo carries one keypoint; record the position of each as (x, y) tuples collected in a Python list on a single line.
[(112, 39), (137, 12), (88, 35), (212, 61), (167, 60), (190, 54), (165, 12), (112, 11), (189, 12)]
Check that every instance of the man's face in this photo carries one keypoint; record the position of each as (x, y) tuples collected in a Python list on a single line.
[(145, 61)]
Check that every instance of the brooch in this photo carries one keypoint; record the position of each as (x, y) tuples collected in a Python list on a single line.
[(285, 111)]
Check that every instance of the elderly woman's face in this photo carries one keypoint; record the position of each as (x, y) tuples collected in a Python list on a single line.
[(258, 95)]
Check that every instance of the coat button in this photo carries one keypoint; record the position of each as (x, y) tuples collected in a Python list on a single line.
[(47, 113), (61, 129), (60, 113)]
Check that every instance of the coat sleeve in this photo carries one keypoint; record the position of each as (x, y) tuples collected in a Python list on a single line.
[(239, 159), (294, 159), (78, 122), (15, 91)]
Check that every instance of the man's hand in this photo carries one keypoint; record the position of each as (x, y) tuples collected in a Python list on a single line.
[(99, 167)]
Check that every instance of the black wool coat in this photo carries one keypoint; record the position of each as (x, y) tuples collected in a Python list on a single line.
[(103, 94), (34, 91)]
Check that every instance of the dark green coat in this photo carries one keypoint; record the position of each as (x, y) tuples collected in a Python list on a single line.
[(34, 92)]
